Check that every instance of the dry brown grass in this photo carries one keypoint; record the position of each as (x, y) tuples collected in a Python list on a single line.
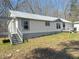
[(53, 42)]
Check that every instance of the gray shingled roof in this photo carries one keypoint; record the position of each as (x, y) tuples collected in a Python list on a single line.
[(34, 16)]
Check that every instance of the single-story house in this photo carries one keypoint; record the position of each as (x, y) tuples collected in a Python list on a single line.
[(23, 25), (76, 25), (26, 25)]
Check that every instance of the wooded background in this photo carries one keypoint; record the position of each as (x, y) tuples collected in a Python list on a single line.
[(67, 9)]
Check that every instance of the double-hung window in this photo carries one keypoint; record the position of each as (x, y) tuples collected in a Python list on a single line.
[(26, 25), (47, 23), (58, 25)]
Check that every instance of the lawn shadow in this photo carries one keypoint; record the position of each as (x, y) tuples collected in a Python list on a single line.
[(72, 47), (48, 53), (71, 44)]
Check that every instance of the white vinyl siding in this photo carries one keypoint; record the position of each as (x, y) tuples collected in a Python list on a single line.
[(68, 27), (39, 26), (76, 25)]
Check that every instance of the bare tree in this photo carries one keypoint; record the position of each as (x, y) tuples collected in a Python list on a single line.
[(35, 6), (5, 5), (73, 10), (66, 9)]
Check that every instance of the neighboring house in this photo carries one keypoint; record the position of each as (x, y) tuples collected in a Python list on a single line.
[(25, 25), (76, 25)]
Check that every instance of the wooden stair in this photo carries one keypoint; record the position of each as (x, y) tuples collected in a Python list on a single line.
[(15, 39)]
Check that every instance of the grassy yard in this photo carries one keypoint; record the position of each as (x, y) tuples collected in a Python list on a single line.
[(57, 46)]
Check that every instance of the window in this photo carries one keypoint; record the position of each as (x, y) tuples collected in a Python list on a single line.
[(63, 25), (58, 26), (47, 23), (26, 25)]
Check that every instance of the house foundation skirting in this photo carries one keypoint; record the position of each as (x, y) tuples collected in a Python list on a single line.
[(33, 35)]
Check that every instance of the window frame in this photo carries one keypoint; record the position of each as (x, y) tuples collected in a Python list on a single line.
[(27, 25), (58, 26), (64, 25), (47, 23)]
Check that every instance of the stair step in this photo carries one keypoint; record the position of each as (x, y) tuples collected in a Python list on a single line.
[(15, 39)]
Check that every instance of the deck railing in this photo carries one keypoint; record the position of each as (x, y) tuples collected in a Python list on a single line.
[(20, 34)]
